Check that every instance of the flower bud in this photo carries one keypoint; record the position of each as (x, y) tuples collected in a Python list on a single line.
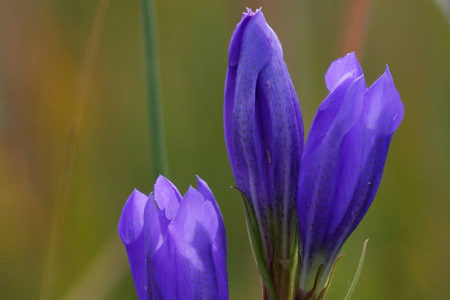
[(264, 135), (175, 244), (343, 162)]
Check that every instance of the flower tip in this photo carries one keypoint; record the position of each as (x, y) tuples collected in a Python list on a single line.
[(198, 178), (190, 190), (132, 217), (161, 177), (388, 72), (343, 67), (192, 193), (385, 100), (250, 12), (200, 183), (162, 183), (134, 192)]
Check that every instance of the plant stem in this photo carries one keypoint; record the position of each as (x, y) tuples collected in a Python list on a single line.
[(153, 89)]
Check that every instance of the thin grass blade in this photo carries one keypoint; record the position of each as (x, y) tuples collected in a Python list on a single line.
[(358, 272)]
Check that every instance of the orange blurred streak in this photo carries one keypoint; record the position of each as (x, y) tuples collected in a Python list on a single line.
[(36, 71), (356, 25), (59, 206)]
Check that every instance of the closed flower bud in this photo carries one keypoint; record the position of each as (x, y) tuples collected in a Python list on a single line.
[(175, 244), (343, 162), (264, 139)]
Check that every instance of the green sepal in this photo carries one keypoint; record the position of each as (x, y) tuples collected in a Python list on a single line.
[(328, 282), (311, 295), (257, 245), (295, 267), (358, 271)]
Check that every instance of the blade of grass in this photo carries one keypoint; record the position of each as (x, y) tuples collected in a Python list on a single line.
[(358, 272), (157, 139), (60, 204)]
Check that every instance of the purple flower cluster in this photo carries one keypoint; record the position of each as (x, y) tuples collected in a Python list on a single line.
[(303, 199), (326, 185)]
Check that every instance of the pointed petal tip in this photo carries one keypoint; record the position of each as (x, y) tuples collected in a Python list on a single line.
[(161, 177), (167, 196), (200, 182), (135, 192), (132, 218), (349, 57), (204, 189), (190, 190), (164, 183), (341, 68), (388, 71), (385, 103)]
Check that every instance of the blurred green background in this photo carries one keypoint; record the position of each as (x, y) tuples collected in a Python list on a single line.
[(42, 83)]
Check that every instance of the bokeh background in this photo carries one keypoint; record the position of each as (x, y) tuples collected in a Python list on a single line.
[(70, 97)]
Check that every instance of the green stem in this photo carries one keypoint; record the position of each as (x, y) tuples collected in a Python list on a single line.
[(153, 89)]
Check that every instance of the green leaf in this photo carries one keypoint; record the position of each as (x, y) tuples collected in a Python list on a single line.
[(257, 245), (358, 272)]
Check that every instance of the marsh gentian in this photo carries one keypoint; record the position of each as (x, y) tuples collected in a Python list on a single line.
[(264, 139), (343, 162), (176, 245)]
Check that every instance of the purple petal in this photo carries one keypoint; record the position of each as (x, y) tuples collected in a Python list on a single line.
[(384, 108), (324, 118), (195, 214), (130, 226), (382, 114), (320, 166), (342, 68), (184, 263), (167, 196), (205, 191), (155, 228), (168, 273), (219, 246)]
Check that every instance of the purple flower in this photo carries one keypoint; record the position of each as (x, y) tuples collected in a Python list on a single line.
[(176, 245), (343, 162), (264, 134)]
